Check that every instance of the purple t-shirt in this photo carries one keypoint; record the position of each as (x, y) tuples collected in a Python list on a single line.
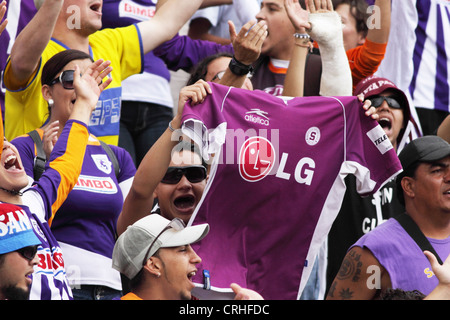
[(276, 182), (408, 268)]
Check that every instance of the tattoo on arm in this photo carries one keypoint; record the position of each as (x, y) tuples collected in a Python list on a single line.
[(351, 267)]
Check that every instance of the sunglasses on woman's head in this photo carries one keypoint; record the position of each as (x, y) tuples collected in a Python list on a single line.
[(65, 78), (194, 174), (392, 101)]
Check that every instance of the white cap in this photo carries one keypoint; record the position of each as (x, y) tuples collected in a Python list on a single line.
[(132, 245)]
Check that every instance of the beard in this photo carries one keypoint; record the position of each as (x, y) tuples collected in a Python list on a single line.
[(14, 293)]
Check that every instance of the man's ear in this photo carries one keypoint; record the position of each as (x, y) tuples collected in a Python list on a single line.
[(154, 266), (408, 186)]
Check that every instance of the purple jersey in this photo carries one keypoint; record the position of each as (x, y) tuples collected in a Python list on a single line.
[(94, 204), (276, 182)]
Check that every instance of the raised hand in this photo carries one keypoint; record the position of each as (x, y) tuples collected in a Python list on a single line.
[(196, 93), (248, 42), (90, 85), (298, 16), (50, 137)]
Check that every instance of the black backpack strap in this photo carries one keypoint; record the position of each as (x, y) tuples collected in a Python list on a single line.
[(112, 157), (414, 231), (41, 158)]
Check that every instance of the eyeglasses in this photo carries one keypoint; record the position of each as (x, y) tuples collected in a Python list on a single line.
[(65, 78), (391, 101), (194, 174), (220, 74), (176, 224), (28, 252)]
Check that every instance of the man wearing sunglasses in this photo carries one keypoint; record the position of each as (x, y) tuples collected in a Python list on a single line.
[(18, 248)]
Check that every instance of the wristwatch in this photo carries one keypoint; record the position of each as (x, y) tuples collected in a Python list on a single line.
[(238, 68)]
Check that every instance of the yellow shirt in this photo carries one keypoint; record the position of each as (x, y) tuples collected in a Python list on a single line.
[(26, 109)]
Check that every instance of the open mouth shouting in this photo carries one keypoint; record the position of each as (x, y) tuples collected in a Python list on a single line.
[(185, 203)]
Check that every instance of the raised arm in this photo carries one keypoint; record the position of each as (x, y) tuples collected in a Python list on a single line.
[(247, 48), (169, 18), (380, 22), (326, 30), (30, 43), (295, 75), (152, 168)]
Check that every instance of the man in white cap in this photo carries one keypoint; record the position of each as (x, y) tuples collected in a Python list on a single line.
[(155, 254)]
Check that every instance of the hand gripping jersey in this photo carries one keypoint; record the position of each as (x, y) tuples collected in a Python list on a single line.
[(277, 182)]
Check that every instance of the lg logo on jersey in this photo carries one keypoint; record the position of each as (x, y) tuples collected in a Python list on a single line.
[(257, 158)]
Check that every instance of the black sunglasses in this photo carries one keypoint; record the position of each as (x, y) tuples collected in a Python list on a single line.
[(392, 101), (28, 252), (193, 173), (65, 78)]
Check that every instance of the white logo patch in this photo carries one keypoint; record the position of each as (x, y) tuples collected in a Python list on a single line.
[(102, 162), (380, 139)]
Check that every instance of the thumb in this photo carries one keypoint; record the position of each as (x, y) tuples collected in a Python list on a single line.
[(232, 30)]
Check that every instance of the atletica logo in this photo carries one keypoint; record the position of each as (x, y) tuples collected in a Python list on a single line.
[(257, 116)]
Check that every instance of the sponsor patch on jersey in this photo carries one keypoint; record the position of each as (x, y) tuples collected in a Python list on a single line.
[(96, 184), (256, 159), (380, 139), (257, 116), (102, 162), (312, 136), (129, 9)]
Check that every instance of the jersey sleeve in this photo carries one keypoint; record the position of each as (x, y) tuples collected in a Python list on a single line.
[(205, 124), (182, 52), (370, 155), (365, 60), (63, 168)]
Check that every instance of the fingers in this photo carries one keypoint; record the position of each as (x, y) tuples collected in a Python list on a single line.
[(247, 45), (311, 6), (371, 111), (232, 29), (196, 92), (319, 5), (239, 292), (431, 257), (330, 5), (2, 15)]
